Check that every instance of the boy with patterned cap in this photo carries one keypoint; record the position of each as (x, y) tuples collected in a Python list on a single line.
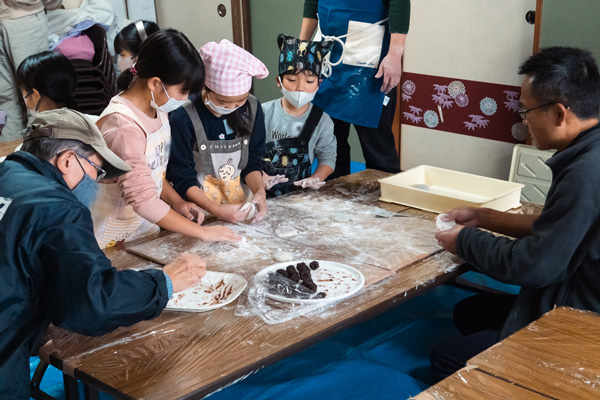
[(219, 139), (298, 131)]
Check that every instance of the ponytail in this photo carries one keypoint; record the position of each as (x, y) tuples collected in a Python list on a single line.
[(124, 80)]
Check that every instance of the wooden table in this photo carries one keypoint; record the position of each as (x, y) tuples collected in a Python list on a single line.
[(556, 357), (190, 355), (7, 148)]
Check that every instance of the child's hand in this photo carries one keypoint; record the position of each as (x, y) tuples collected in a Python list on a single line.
[(190, 210), (231, 213), (312, 183), (260, 199), (271, 181)]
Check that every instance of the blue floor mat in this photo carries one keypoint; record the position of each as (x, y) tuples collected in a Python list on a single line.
[(354, 167), (386, 357)]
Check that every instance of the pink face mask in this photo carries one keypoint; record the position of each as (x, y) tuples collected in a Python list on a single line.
[(124, 63)]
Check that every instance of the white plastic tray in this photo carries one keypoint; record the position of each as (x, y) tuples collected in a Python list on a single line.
[(438, 190)]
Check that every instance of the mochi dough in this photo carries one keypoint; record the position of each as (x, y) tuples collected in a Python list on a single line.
[(340, 217), (286, 232), (251, 207), (443, 225), (282, 256)]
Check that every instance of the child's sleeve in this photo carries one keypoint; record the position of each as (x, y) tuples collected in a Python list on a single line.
[(181, 171), (257, 145), (326, 144), (127, 140)]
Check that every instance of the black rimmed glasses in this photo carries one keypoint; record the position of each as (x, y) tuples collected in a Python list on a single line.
[(523, 113), (100, 172)]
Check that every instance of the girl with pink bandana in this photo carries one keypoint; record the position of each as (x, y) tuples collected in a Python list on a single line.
[(219, 139)]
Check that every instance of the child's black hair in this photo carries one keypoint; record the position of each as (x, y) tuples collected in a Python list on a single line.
[(169, 55), (129, 38), (297, 71), (51, 74)]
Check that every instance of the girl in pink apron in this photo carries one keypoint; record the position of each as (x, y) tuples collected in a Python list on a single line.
[(219, 139), (135, 126)]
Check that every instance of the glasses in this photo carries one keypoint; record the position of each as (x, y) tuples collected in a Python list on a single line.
[(100, 172), (523, 113)]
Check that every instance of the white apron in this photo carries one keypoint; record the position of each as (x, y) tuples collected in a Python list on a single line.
[(114, 220)]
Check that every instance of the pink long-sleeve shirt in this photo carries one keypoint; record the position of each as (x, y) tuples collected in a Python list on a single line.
[(127, 140)]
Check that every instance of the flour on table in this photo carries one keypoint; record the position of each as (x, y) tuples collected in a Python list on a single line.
[(286, 232), (282, 256), (443, 225)]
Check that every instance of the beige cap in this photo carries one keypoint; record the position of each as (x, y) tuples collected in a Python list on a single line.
[(64, 123)]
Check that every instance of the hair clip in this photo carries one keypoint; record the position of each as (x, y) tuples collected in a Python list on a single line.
[(133, 70)]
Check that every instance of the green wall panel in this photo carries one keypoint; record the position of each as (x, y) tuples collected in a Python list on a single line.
[(574, 23)]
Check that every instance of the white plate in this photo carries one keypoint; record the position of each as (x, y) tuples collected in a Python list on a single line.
[(338, 280), (216, 290)]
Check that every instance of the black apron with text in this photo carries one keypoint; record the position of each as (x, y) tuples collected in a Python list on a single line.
[(290, 156)]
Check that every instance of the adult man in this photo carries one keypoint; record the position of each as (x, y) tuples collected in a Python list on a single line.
[(555, 257), (355, 92), (51, 268)]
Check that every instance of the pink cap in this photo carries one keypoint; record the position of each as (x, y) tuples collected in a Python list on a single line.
[(229, 68)]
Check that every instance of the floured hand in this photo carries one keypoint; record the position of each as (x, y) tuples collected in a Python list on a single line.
[(312, 183), (270, 181)]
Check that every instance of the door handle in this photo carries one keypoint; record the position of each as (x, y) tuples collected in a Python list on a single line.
[(530, 17)]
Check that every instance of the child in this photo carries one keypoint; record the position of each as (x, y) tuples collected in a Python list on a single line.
[(135, 126), (219, 139), (129, 41), (46, 81), (298, 131)]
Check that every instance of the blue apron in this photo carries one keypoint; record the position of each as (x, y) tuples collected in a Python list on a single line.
[(351, 94)]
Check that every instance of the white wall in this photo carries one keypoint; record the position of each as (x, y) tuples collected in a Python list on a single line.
[(478, 40)]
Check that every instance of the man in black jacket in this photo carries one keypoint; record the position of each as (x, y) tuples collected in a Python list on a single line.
[(555, 257), (51, 268)]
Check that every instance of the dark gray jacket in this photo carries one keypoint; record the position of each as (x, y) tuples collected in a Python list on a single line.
[(559, 264)]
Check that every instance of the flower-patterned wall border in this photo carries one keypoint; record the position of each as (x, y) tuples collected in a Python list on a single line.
[(472, 108)]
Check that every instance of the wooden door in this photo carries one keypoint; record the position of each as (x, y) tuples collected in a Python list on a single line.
[(460, 86)]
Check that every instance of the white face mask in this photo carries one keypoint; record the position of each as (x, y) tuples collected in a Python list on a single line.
[(171, 104), (217, 109), (32, 113), (124, 63), (297, 99)]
